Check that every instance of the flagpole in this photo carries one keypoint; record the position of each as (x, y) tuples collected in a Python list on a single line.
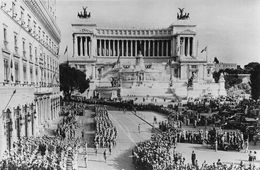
[(9, 101), (197, 48), (207, 54)]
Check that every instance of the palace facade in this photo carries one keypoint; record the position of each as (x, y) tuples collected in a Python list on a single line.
[(29, 68), (111, 59)]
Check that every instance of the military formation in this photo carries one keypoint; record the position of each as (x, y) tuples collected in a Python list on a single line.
[(106, 133)]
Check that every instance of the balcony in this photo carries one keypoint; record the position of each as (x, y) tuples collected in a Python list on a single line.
[(42, 90), (45, 90)]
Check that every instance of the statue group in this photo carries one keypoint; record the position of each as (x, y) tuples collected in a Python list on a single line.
[(181, 15), (84, 14)]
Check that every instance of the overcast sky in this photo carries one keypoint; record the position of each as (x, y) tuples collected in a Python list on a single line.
[(230, 28)]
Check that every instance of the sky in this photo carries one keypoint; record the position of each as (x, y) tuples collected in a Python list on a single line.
[(229, 28)]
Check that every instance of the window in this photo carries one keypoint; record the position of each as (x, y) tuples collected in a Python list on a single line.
[(13, 10), (30, 51), (34, 27), (36, 57), (43, 36), (6, 70), (24, 73), (36, 74), (39, 32), (15, 40), (47, 42), (22, 16), (5, 34), (29, 23), (23, 47), (31, 74), (16, 68)]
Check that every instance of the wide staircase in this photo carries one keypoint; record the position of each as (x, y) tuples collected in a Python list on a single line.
[(69, 165)]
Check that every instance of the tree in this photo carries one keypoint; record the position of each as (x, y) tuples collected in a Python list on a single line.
[(72, 79), (251, 66), (231, 80), (255, 82), (216, 75)]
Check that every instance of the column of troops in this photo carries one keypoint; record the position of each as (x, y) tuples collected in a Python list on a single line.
[(106, 132)]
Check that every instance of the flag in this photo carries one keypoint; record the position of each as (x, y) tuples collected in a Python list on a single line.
[(66, 50), (205, 49), (216, 60), (118, 60)]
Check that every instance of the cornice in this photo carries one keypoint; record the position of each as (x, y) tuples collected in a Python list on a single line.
[(40, 11)]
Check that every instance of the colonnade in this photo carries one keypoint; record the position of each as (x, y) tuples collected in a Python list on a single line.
[(48, 108), (186, 46), (82, 45), (117, 47)]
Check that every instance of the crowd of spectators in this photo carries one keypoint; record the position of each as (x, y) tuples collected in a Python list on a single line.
[(38, 153)]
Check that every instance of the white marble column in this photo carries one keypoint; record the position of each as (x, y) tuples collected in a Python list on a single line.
[(167, 47), (74, 45), (135, 47), (123, 52), (99, 47), (153, 48), (158, 48), (105, 47), (43, 110), (188, 47), (90, 47), (109, 48), (192, 46), (183, 46), (144, 47), (149, 48), (126, 48), (80, 46), (114, 49), (131, 47), (118, 52), (162, 47), (85, 46)]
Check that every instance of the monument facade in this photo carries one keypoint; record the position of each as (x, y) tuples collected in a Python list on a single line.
[(141, 62)]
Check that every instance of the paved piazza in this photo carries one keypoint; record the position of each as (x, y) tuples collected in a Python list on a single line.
[(128, 136)]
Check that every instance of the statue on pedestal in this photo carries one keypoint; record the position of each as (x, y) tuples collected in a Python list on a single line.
[(85, 14), (190, 81), (181, 15)]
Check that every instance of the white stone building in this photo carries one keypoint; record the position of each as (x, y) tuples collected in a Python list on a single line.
[(171, 53), (29, 68)]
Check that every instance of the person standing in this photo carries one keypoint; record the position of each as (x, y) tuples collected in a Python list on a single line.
[(105, 155), (96, 148), (86, 160), (139, 128), (110, 148), (247, 145), (193, 158), (216, 145), (86, 147)]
